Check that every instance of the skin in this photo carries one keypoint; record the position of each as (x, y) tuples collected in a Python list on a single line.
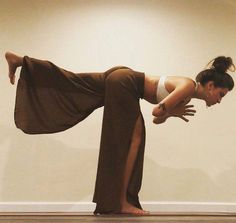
[(181, 89)]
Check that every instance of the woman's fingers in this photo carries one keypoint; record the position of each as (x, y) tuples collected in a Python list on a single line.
[(187, 111), (189, 106), (182, 117), (190, 110), (188, 114)]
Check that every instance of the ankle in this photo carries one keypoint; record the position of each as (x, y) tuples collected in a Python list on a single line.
[(123, 201)]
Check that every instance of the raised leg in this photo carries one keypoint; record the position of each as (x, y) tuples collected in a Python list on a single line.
[(13, 61), (136, 140)]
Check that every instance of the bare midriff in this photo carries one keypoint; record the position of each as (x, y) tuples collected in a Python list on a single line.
[(150, 87)]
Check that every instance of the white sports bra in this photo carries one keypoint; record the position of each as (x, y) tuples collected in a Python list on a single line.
[(161, 92)]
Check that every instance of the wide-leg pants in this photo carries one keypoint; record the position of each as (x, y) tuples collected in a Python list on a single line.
[(50, 99)]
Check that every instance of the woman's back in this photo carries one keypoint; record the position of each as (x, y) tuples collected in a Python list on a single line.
[(168, 85)]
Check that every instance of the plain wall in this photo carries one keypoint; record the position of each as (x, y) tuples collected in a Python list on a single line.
[(192, 161)]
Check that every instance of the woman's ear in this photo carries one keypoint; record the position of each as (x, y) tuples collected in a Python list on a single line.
[(210, 85)]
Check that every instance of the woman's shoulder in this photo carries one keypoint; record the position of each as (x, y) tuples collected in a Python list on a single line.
[(188, 82), (181, 79), (175, 82)]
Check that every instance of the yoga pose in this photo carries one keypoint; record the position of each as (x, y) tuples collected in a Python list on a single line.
[(50, 99)]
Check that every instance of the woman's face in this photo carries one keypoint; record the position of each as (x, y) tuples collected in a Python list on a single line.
[(214, 94)]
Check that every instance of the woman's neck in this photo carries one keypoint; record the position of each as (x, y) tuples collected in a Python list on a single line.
[(199, 92)]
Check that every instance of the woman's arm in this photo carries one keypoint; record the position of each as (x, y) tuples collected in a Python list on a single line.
[(171, 105), (160, 119), (179, 111)]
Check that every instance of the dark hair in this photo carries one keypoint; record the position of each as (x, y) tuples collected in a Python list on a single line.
[(217, 73)]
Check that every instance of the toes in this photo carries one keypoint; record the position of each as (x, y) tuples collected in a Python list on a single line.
[(134, 211), (12, 75), (11, 66), (12, 79)]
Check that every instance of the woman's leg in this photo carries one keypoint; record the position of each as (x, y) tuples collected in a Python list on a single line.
[(13, 61), (134, 146)]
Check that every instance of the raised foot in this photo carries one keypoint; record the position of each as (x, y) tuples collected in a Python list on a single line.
[(130, 209), (13, 61)]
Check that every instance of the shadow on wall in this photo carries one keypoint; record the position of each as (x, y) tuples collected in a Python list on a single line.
[(36, 171), (188, 184)]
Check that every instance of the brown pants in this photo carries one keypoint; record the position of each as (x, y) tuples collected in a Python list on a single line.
[(50, 99)]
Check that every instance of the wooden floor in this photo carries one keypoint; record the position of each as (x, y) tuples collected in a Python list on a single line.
[(89, 218)]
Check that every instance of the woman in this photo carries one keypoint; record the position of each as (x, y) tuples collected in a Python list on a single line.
[(50, 99)]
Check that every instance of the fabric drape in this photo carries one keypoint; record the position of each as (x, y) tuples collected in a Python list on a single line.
[(50, 99)]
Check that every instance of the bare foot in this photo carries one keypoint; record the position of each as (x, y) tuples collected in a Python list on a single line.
[(13, 61), (130, 209)]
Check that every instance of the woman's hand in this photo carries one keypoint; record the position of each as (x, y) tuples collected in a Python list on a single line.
[(159, 120), (182, 110)]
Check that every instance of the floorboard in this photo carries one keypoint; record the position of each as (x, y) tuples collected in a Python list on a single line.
[(90, 218)]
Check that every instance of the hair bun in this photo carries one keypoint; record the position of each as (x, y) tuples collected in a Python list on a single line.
[(222, 64)]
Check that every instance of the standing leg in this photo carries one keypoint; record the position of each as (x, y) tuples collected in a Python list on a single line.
[(134, 146), (13, 61), (120, 162)]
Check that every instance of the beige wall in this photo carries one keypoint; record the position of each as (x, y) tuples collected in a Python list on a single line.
[(183, 162)]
